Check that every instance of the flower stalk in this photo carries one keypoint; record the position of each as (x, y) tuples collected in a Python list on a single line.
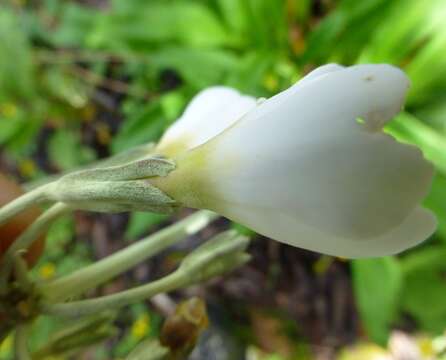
[(223, 253), (23, 202), (21, 343), (87, 307), (98, 273), (25, 240), (80, 334)]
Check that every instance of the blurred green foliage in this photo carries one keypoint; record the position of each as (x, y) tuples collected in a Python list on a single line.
[(78, 82)]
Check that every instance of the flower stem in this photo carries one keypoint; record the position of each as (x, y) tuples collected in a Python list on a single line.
[(21, 203), (86, 307), (20, 343), (21, 272), (223, 253), (25, 240), (104, 270)]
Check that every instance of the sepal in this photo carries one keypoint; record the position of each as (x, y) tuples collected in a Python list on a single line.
[(117, 188)]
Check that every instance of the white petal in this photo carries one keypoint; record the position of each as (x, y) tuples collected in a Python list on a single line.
[(415, 228), (321, 70), (300, 169), (213, 110), (208, 114)]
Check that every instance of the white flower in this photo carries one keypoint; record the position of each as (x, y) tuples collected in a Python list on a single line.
[(309, 167)]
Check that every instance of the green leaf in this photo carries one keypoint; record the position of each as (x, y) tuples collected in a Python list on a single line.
[(76, 23), (20, 143), (251, 71), (377, 284), (172, 105), (78, 257), (144, 124), (235, 14), (436, 201), (199, 67), (434, 113), (428, 70), (16, 65), (62, 85), (425, 287), (394, 40), (141, 222), (342, 34), (156, 22), (407, 128), (430, 257), (9, 127), (66, 152), (149, 350), (72, 337), (243, 230), (416, 41), (59, 236), (267, 23)]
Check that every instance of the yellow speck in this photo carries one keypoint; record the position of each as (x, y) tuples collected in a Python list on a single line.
[(270, 82), (141, 326), (88, 113), (426, 347), (24, 308), (8, 110), (6, 346), (103, 134), (27, 167), (47, 271), (322, 264), (20, 2)]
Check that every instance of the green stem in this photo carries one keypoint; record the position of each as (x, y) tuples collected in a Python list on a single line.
[(21, 272), (223, 253), (21, 203), (25, 240), (104, 270), (21, 343), (80, 308)]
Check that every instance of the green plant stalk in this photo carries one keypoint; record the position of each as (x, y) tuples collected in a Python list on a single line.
[(25, 240), (104, 270), (223, 253), (20, 343), (87, 307), (73, 350), (23, 202), (21, 272), (79, 335)]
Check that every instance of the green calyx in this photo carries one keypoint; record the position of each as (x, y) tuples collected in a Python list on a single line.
[(117, 188)]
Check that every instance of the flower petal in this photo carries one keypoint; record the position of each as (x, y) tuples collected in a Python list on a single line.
[(209, 113), (321, 70), (415, 228)]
